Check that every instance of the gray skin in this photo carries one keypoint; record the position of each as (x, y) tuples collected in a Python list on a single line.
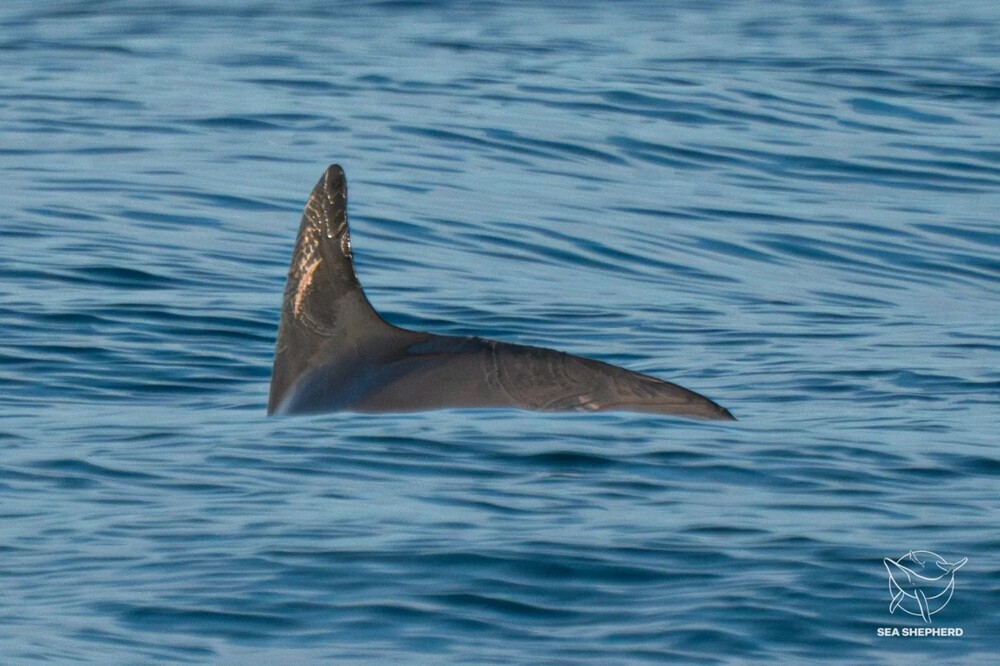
[(334, 352)]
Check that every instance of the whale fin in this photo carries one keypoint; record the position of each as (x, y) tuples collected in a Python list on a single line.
[(325, 310), (896, 600), (335, 352), (922, 605)]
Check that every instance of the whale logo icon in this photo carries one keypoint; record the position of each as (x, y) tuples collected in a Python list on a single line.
[(921, 582)]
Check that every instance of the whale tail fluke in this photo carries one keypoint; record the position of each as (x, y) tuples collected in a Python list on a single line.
[(948, 567)]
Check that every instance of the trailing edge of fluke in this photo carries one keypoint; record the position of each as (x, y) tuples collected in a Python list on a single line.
[(334, 352)]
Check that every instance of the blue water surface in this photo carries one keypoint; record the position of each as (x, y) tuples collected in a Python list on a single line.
[(789, 207)]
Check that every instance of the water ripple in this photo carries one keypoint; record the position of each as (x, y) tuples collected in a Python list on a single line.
[(789, 209)]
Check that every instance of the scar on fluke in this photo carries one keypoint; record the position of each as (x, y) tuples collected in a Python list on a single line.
[(334, 352)]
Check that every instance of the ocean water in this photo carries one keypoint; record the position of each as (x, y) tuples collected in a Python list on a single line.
[(789, 207)]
